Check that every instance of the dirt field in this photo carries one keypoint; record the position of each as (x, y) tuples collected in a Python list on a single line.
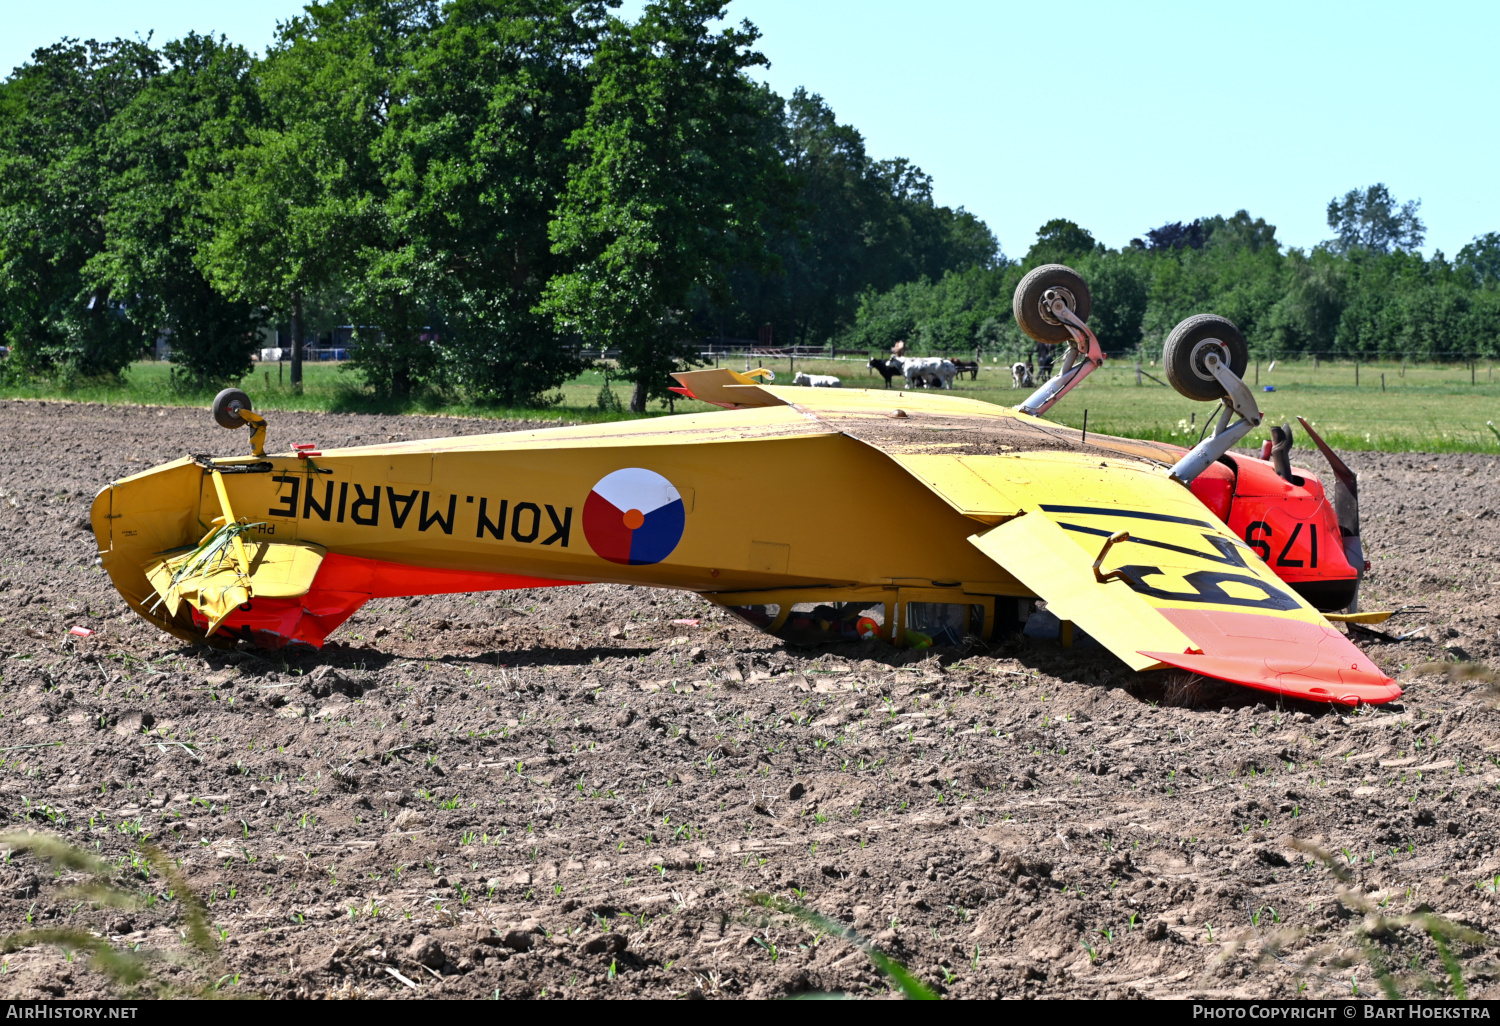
[(572, 793)]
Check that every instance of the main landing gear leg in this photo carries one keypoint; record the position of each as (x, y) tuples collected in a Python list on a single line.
[(1074, 370), (1238, 400)]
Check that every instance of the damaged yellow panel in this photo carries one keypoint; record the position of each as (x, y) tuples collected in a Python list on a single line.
[(209, 579), (990, 488), (1058, 480), (952, 479), (1185, 556), (1177, 566)]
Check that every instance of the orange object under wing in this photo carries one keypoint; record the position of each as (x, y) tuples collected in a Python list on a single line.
[(1288, 657)]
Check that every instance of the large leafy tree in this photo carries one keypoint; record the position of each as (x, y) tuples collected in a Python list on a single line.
[(304, 209), (670, 189), (1059, 241), (157, 152), (474, 162), (56, 184), (1175, 235), (1372, 220), (855, 224), (1481, 258)]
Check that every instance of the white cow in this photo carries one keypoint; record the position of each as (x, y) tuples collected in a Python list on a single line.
[(925, 370), (817, 381), (1020, 376)]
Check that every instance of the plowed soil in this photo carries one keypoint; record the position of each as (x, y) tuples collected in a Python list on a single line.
[(577, 792)]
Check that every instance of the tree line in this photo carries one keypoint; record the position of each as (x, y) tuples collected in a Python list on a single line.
[(1366, 292), (489, 188), (485, 187)]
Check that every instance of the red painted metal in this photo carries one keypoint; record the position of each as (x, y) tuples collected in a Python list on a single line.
[(1215, 489), (1287, 657), (1291, 524), (342, 585)]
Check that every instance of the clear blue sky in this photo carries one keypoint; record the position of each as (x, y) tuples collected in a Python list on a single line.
[(1120, 116)]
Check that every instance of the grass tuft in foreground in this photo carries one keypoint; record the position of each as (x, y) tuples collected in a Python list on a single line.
[(910, 987), (1414, 954), (130, 970)]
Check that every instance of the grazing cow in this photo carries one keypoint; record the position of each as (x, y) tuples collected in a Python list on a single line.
[(888, 369), (925, 370), (817, 381), (969, 367)]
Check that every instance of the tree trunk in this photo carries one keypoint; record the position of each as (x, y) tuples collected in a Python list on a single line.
[(401, 372), (638, 396), (297, 342)]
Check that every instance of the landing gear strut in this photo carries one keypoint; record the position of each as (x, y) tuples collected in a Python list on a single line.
[(232, 410), (1051, 304), (1239, 401)]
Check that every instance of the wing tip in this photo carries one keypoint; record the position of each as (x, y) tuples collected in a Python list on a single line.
[(1364, 689)]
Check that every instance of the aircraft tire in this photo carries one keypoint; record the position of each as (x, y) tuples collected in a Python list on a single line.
[(226, 412), (1026, 304), (1189, 342)]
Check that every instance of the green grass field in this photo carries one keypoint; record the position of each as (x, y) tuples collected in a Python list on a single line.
[(1431, 408), (1426, 408)]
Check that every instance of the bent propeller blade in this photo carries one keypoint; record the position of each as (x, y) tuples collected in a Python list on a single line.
[(1345, 506)]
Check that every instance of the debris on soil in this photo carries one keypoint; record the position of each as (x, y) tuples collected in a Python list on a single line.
[(551, 797)]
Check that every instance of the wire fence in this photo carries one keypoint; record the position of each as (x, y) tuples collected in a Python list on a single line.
[(748, 355)]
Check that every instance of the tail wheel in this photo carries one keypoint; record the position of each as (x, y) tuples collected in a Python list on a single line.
[(1031, 311), (227, 407), (1187, 346)]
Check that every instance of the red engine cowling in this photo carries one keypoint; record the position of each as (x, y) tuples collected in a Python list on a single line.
[(1290, 524)]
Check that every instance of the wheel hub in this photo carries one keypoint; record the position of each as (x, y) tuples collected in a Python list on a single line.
[(1044, 307), (1200, 352)]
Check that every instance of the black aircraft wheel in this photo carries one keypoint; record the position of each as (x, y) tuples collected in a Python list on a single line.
[(1191, 341), (227, 407), (1032, 314)]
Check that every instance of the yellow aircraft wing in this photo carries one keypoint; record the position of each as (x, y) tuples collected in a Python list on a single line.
[(1174, 587)]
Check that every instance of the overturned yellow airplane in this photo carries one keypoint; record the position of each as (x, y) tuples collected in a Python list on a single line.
[(816, 515)]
